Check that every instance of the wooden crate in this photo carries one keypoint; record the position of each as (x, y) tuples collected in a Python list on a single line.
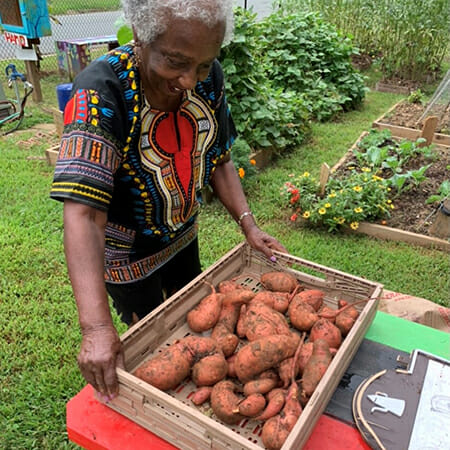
[(171, 415)]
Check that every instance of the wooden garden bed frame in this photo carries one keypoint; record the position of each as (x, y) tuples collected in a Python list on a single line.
[(411, 133), (382, 231)]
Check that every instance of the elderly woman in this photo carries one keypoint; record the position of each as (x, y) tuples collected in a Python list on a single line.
[(146, 128)]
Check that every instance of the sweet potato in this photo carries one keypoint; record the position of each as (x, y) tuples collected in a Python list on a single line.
[(276, 429), (252, 405), (260, 320), (238, 296), (316, 366), (324, 329), (225, 403), (231, 373), (302, 315), (260, 386), (279, 301), (206, 313), (275, 402), (173, 364), (224, 330), (240, 325), (345, 321), (201, 395), (263, 354), (279, 281), (313, 297), (327, 313), (209, 370), (288, 368), (303, 357)]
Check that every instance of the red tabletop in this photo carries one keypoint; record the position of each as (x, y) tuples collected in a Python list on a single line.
[(94, 426)]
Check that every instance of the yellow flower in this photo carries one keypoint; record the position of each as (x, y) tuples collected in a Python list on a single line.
[(366, 169), (252, 162), (389, 201), (241, 172), (327, 205), (376, 178), (322, 211), (358, 210), (306, 214), (341, 220), (332, 195), (392, 206), (354, 225), (357, 188), (305, 174)]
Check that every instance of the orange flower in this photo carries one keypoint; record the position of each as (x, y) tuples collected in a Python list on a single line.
[(252, 162), (241, 172), (294, 217)]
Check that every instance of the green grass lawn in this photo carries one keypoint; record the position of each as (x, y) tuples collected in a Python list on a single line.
[(38, 318)]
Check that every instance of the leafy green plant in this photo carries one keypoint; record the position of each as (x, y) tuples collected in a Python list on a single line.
[(416, 96), (442, 194)]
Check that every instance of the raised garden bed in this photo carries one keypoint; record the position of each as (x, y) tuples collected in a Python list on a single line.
[(412, 218), (403, 119)]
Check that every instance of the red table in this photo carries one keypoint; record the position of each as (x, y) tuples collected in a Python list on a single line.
[(94, 426)]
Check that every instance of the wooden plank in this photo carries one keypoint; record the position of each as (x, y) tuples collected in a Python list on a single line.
[(324, 175), (429, 127), (52, 155), (393, 234), (262, 157)]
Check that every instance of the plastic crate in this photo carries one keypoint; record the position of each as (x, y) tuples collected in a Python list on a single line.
[(171, 415)]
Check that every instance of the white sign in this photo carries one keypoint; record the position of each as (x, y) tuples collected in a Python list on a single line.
[(16, 39)]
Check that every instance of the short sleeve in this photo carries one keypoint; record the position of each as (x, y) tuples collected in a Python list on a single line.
[(95, 129)]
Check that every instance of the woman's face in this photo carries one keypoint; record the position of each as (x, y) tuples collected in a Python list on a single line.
[(179, 58)]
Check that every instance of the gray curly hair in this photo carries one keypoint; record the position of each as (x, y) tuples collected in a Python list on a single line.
[(149, 17)]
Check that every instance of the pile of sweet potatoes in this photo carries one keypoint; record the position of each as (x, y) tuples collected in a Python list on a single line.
[(264, 356)]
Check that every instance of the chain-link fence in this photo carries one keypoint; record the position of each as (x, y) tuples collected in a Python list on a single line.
[(77, 22)]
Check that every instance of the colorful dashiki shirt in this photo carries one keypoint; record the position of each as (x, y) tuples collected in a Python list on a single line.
[(144, 167)]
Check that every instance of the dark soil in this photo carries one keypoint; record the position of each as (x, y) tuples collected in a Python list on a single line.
[(408, 115), (411, 212)]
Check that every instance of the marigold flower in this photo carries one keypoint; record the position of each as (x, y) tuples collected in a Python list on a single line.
[(306, 214), (294, 198), (354, 225), (294, 217), (332, 195), (241, 172), (341, 220), (305, 174), (322, 211), (357, 188), (252, 162), (358, 210), (327, 205)]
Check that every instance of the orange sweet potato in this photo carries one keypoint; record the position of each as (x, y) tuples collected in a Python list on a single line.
[(173, 364), (206, 313), (252, 405), (345, 322), (260, 386), (238, 296), (303, 357), (276, 429), (225, 403), (313, 297), (301, 314), (224, 330), (263, 354), (279, 301), (209, 370), (324, 329), (275, 402), (279, 281), (231, 367), (316, 366), (261, 320), (327, 313), (201, 395)]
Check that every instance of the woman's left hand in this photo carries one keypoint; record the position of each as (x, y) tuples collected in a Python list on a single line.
[(262, 241)]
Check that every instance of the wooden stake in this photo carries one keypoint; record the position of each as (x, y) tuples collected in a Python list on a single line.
[(324, 175), (429, 127)]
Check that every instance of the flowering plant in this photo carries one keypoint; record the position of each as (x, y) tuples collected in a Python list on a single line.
[(345, 202)]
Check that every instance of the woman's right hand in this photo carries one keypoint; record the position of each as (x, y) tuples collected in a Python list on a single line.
[(100, 354)]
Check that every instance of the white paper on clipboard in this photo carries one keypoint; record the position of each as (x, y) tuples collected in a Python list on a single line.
[(431, 430)]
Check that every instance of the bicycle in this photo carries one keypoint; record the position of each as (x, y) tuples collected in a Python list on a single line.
[(15, 107)]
